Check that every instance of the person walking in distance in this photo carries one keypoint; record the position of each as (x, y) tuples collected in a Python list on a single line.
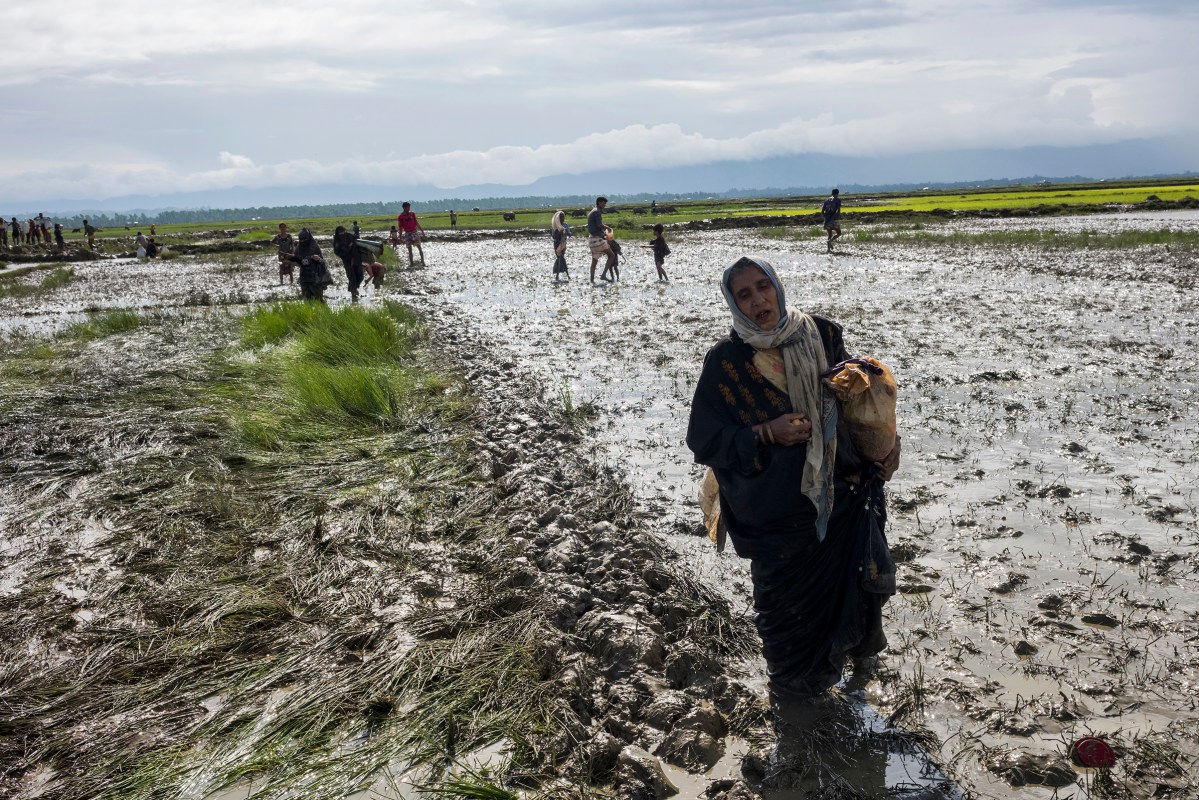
[(412, 232), (314, 273), (453, 220), (661, 251), (597, 238), (345, 247), (90, 231), (287, 245), (559, 230), (832, 217)]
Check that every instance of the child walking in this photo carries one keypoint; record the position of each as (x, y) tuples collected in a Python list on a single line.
[(661, 251)]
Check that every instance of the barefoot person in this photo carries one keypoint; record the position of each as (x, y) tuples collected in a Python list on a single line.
[(559, 230), (831, 210), (661, 251), (597, 238), (795, 495), (412, 232), (314, 273), (287, 245), (345, 247)]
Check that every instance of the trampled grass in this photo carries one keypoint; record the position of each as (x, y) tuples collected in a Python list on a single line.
[(104, 324), (279, 639)]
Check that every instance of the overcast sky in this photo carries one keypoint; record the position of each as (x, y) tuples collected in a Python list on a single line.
[(105, 99)]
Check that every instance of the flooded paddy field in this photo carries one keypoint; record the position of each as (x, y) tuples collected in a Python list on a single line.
[(1045, 518), (1046, 508)]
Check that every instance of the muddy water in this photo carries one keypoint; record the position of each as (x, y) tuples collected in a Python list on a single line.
[(1047, 501), (140, 285)]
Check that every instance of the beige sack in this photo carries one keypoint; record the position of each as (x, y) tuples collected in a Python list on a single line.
[(867, 391)]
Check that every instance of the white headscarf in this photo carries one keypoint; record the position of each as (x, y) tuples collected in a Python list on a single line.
[(804, 360), (557, 222)]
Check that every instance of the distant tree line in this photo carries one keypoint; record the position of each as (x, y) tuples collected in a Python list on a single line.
[(460, 204), (350, 210)]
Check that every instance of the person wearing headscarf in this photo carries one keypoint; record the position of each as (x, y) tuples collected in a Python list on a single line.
[(795, 497), (346, 247), (559, 230), (314, 274)]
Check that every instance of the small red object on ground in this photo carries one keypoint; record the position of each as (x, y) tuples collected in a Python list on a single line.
[(1091, 751)]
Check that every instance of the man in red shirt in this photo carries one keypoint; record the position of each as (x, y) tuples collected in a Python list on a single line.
[(412, 232)]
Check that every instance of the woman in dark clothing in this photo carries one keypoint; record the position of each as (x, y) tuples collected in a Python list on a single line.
[(314, 275), (559, 230), (794, 495), (346, 248)]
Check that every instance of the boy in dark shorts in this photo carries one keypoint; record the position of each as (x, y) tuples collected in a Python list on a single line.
[(661, 251)]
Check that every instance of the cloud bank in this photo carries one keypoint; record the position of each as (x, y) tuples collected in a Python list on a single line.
[(199, 96)]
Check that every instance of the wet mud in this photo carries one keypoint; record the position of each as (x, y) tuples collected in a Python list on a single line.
[(1045, 513), (1044, 516)]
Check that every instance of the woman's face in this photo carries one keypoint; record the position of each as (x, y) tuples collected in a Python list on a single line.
[(756, 297)]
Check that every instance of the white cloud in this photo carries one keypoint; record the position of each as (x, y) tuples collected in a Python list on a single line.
[(236, 161), (1064, 119)]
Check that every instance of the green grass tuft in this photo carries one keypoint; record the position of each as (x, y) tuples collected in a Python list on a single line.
[(59, 278), (320, 374), (275, 323), (104, 324), (55, 280)]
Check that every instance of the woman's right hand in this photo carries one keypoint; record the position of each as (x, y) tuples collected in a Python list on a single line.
[(790, 429)]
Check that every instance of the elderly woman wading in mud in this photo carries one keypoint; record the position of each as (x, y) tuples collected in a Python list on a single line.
[(796, 498)]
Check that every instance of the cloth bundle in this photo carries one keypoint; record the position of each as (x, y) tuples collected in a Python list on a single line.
[(867, 391), (709, 504)]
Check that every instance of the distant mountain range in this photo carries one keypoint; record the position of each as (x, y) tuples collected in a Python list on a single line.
[(793, 175)]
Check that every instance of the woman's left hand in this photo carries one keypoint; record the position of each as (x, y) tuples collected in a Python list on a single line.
[(886, 468)]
